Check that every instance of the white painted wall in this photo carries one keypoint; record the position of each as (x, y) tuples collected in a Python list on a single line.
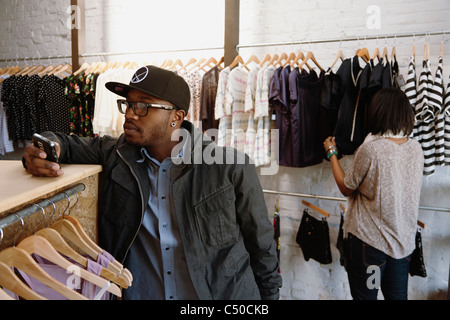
[(31, 28)]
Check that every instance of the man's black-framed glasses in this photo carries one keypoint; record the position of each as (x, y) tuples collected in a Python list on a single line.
[(140, 108)]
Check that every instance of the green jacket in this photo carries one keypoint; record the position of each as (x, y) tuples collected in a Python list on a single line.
[(223, 220)]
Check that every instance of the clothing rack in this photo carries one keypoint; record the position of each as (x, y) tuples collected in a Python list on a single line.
[(303, 195), (104, 54), (30, 210), (331, 40)]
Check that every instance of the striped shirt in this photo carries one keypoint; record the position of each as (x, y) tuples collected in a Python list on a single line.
[(235, 106), (446, 112), (425, 116), (437, 101)]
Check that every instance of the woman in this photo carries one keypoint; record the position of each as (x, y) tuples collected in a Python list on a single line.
[(383, 189)]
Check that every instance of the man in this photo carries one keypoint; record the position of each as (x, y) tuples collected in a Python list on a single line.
[(185, 228)]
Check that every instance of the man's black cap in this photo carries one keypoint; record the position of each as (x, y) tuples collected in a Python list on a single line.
[(157, 82)]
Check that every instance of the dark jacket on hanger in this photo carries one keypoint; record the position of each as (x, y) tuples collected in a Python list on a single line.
[(222, 216)]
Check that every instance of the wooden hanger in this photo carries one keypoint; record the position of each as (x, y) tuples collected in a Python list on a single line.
[(342, 207), (20, 259), (60, 245), (290, 59), (274, 60), (266, 58), (310, 56), (238, 59), (128, 276), (46, 70), (364, 54), (166, 63), (83, 67), (300, 56), (5, 296), (283, 57), (198, 64), (315, 208), (376, 54), (10, 281), (252, 58), (40, 246), (339, 55), (394, 54), (385, 54), (35, 71), (175, 64), (210, 63), (70, 233)]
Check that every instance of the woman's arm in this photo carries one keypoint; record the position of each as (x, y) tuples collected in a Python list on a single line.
[(339, 175)]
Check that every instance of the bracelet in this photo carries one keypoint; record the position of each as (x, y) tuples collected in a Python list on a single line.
[(330, 147), (331, 153)]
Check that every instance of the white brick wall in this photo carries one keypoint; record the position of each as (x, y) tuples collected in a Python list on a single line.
[(31, 28)]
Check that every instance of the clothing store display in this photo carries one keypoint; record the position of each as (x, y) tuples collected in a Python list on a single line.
[(313, 237)]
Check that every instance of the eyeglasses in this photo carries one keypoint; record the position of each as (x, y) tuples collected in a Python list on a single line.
[(140, 108)]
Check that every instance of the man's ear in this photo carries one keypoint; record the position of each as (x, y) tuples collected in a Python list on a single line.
[(179, 116)]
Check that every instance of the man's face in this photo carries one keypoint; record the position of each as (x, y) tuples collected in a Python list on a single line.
[(151, 130)]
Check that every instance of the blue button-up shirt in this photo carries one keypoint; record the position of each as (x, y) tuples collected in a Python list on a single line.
[(156, 258)]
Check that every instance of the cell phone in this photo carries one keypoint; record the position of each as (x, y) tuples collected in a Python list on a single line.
[(47, 146)]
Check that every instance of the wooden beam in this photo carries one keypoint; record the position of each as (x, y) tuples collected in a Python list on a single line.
[(78, 30), (231, 30)]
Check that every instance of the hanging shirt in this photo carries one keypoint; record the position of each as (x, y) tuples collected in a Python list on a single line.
[(250, 96), (311, 120), (279, 99), (348, 132), (156, 258), (194, 80), (446, 112), (6, 145), (425, 117), (208, 95), (224, 132), (235, 106), (410, 90), (437, 101)]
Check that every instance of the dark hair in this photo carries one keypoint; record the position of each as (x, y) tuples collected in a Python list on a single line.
[(390, 110)]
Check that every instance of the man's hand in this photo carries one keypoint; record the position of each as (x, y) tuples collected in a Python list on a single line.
[(37, 165)]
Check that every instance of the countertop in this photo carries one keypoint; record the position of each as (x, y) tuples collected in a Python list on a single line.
[(18, 186)]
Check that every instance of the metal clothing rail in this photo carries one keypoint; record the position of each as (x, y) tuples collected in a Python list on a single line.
[(378, 37), (30, 210), (303, 195), (104, 54)]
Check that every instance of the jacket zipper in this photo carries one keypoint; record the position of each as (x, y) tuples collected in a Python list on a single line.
[(142, 199)]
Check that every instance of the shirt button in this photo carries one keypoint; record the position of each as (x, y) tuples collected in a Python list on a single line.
[(164, 225), (169, 272), (167, 248), (164, 170), (163, 197)]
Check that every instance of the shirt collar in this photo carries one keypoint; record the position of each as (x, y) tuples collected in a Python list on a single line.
[(145, 155)]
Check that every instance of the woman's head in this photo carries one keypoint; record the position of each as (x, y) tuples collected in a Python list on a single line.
[(390, 112)]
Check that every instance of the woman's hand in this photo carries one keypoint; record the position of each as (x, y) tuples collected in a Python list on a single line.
[(329, 143)]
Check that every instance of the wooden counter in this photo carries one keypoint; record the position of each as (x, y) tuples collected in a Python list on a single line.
[(19, 189)]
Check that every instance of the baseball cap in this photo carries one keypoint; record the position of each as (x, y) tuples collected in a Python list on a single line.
[(157, 82)]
